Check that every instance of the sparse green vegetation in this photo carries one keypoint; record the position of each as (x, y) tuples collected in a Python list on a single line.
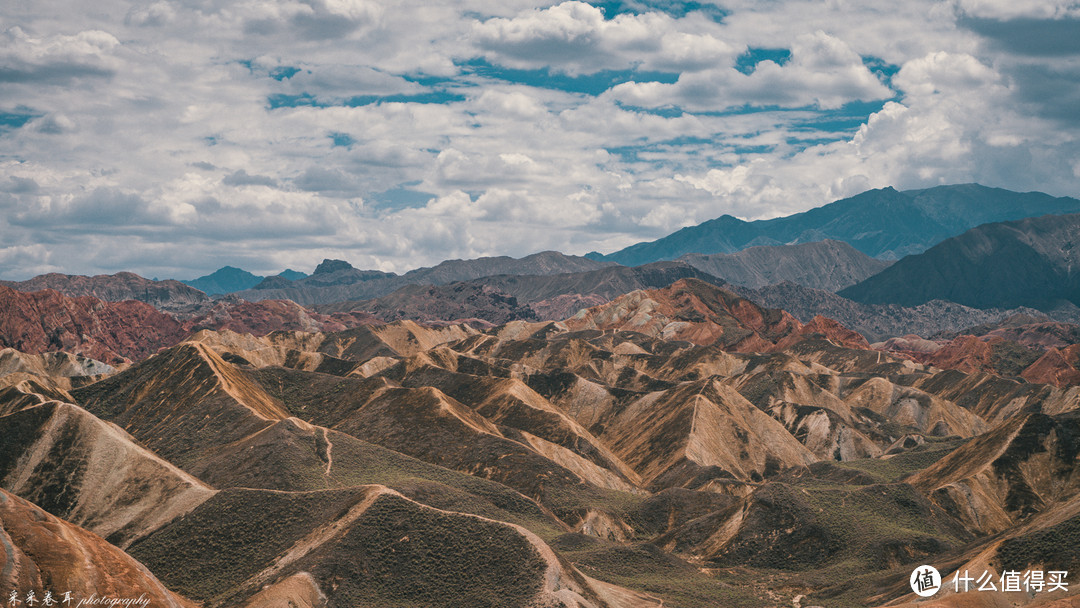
[(1011, 358), (645, 568), (1054, 548), (234, 535), (399, 555), (894, 468)]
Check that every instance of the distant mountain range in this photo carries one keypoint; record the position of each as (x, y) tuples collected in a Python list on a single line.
[(830, 265), (980, 276), (508, 297), (503, 298), (229, 279), (880, 321), (885, 223), (168, 294), (337, 281), (1033, 262)]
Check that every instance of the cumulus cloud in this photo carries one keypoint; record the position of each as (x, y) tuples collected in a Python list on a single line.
[(823, 71), (173, 137), (575, 37), (56, 59), (1031, 9)]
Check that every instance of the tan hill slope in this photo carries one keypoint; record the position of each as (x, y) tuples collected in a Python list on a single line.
[(91, 473), (680, 447), (41, 553)]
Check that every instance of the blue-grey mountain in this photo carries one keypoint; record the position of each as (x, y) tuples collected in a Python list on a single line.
[(886, 223), (830, 265), (230, 279), (1032, 262)]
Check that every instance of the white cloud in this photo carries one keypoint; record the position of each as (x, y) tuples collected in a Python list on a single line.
[(56, 59), (823, 71), (576, 38), (139, 135), (943, 72), (1031, 9)]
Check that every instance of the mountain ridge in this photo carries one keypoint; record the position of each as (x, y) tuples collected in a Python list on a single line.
[(883, 223), (1027, 262)]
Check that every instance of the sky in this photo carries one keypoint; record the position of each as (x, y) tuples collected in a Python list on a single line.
[(173, 137)]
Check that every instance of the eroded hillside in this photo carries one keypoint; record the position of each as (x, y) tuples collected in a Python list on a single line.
[(674, 447)]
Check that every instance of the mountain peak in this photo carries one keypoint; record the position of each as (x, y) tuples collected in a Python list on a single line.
[(327, 266), (884, 223), (226, 279)]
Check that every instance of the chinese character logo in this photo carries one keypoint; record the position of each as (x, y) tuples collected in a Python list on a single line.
[(925, 581)]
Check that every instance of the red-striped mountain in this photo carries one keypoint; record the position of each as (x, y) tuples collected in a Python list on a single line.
[(43, 321), (885, 223), (115, 332), (1030, 262), (168, 294)]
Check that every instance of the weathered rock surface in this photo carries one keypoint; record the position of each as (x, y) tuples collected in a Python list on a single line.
[(42, 553), (111, 332), (165, 295), (91, 473)]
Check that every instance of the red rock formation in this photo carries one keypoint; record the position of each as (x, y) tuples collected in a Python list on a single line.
[(107, 331), (968, 354), (117, 287), (265, 316), (40, 553), (115, 332), (694, 311), (832, 330), (1057, 367)]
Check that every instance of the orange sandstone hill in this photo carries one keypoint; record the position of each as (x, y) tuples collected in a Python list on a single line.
[(676, 447), (43, 553), (694, 311)]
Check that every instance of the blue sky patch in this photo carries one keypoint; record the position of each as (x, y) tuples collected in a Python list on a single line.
[(281, 100), (845, 120), (9, 121), (402, 197), (747, 62), (881, 68), (342, 140), (613, 8), (588, 84), (284, 72)]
